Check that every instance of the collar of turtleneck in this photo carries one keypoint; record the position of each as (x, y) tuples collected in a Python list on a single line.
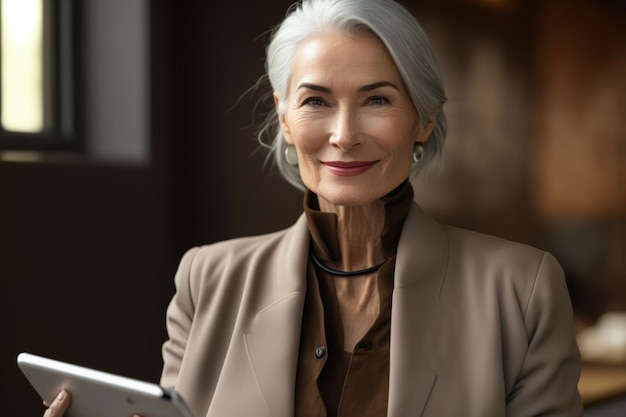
[(323, 226)]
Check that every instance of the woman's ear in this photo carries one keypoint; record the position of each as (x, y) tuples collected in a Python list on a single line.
[(425, 132), (282, 119)]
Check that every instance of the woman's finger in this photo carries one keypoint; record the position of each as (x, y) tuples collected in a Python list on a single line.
[(59, 405)]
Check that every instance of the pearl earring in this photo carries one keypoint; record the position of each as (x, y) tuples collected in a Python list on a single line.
[(291, 155), (418, 152)]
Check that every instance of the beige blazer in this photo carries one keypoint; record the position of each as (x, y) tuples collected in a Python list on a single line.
[(480, 327)]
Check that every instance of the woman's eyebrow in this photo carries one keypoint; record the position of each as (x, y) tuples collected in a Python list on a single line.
[(315, 87), (379, 84), (365, 88)]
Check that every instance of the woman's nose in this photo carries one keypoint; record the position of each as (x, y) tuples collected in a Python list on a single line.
[(346, 133)]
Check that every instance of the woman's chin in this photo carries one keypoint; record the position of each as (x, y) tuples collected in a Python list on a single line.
[(349, 196), (354, 193)]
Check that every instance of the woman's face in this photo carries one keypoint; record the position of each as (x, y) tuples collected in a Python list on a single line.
[(350, 118)]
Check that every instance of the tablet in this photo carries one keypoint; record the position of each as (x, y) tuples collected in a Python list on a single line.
[(99, 394)]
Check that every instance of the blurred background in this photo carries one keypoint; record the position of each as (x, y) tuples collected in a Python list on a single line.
[(134, 141)]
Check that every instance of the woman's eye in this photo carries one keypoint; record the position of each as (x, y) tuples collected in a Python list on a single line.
[(313, 101), (378, 101)]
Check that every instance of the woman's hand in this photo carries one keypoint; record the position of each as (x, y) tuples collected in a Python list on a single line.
[(59, 405)]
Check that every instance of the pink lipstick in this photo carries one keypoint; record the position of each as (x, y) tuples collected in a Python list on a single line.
[(346, 169)]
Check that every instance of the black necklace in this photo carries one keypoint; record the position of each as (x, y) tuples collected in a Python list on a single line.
[(339, 273)]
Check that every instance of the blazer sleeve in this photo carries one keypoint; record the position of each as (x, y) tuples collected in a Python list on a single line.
[(547, 382), (180, 313)]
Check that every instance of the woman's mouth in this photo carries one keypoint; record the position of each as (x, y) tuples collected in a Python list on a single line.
[(347, 169)]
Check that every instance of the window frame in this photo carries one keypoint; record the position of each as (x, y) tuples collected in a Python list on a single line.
[(60, 48)]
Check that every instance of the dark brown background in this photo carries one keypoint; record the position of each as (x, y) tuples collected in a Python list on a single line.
[(88, 250)]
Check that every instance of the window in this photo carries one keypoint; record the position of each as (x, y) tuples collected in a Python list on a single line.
[(22, 83), (36, 75), (83, 80)]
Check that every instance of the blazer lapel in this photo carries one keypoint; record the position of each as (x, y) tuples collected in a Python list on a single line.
[(416, 314), (275, 331)]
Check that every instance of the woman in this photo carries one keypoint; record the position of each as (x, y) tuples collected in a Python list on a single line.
[(366, 306)]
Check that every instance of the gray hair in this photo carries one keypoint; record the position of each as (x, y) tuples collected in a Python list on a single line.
[(403, 37)]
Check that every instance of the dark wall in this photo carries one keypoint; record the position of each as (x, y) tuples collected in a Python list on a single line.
[(223, 187)]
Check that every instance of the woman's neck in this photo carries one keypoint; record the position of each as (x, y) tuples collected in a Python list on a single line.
[(358, 231)]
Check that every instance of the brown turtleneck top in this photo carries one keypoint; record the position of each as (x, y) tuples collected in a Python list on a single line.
[(330, 381)]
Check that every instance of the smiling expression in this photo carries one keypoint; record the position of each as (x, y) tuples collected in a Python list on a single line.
[(350, 118)]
